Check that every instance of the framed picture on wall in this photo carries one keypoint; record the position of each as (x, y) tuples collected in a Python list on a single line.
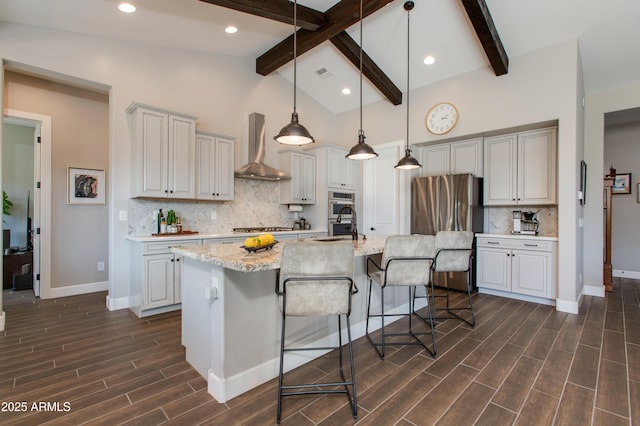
[(622, 183), (85, 186)]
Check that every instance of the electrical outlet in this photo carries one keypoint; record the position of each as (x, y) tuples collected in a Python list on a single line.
[(123, 215), (213, 215), (100, 266)]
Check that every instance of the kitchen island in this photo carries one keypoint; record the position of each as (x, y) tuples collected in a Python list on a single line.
[(231, 321)]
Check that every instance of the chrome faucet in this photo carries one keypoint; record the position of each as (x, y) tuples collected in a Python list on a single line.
[(353, 229)]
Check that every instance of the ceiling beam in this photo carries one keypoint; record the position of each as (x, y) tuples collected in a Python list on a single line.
[(278, 10), (337, 19), (487, 33), (351, 50)]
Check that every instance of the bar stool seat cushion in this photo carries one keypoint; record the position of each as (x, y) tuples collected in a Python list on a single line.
[(456, 260), (405, 272)]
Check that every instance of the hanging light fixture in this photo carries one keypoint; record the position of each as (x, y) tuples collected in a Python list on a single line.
[(361, 151), (408, 162), (294, 133)]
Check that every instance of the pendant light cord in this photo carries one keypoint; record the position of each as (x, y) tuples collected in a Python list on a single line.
[(407, 149), (295, 49), (361, 131)]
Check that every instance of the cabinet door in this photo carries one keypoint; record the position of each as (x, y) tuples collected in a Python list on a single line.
[(435, 160), (158, 281), (309, 179), (336, 168), (494, 269), (532, 273), (152, 152), (500, 170), (297, 177), (537, 167), (224, 169), (182, 158), (206, 161), (467, 157)]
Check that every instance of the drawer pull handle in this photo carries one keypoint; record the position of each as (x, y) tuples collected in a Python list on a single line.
[(493, 242), (530, 245)]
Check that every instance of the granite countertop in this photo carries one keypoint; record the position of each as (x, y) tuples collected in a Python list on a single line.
[(146, 238), (234, 257)]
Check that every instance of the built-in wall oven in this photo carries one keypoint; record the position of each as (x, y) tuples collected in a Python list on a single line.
[(338, 200)]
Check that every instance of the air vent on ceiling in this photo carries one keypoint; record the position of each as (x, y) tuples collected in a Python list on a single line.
[(323, 73)]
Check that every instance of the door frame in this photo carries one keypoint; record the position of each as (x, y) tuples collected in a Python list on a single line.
[(42, 125)]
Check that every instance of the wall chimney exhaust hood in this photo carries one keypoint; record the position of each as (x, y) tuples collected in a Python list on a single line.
[(256, 169)]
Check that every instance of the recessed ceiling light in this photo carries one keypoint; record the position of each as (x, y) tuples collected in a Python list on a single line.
[(429, 60), (346, 91), (231, 29), (126, 8)]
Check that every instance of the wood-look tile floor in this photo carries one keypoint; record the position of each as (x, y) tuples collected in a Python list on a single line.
[(523, 363)]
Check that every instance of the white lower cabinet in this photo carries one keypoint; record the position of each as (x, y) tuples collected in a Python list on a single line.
[(156, 283), (517, 265)]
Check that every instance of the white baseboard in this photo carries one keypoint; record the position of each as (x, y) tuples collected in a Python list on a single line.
[(74, 290), (115, 303), (2, 321), (517, 296), (590, 290), (569, 306), (626, 274)]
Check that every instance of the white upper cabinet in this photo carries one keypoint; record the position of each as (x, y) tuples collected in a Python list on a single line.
[(163, 153), (341, 172), (301, 188), (215, 160), (452, 158), (520, 168)]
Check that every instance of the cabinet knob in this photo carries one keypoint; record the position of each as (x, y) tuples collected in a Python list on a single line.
[(373, 229)]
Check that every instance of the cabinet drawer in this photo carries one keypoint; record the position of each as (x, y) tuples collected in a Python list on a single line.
[(165, 246), (508, 243)]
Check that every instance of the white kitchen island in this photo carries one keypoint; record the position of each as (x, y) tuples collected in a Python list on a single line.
[(231, 321)]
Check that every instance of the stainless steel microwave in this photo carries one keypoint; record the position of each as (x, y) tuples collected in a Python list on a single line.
[(338, 200)]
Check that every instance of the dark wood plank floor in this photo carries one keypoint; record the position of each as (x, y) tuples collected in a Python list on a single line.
[(70, 361)]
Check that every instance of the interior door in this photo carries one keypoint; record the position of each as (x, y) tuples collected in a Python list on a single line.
[(383, 193), (35, 211)]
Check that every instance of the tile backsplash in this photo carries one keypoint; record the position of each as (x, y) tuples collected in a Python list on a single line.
[(255, 204), (500, 219)]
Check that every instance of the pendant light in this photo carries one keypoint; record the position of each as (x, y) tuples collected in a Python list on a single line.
[(361, 151), (294, 133), (408, 162)]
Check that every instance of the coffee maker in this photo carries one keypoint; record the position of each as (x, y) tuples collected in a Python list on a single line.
[(525, 223)]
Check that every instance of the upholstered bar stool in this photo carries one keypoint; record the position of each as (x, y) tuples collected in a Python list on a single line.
[(454, 253), (316, 279), (406, 262)]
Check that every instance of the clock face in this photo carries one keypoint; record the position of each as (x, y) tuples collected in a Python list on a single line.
[(442, 118)]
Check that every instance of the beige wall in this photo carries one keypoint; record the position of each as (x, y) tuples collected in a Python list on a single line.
[(80, 138)]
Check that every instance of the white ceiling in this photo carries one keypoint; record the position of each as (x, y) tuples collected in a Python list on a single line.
[(608, 32)]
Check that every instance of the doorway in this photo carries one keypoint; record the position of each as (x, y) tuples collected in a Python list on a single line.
[(32, 216)]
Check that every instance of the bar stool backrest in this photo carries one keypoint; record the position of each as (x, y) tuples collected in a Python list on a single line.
[(408, 272), (320, 261), (453, 251)]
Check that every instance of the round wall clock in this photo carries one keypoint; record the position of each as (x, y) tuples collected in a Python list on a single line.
[(441, 118)]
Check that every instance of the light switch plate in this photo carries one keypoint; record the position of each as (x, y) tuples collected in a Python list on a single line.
[(123, 215)]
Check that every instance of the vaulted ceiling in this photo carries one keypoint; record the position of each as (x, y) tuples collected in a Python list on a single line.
[(607, 34)]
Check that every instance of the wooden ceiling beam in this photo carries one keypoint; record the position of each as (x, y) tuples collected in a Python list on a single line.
[(351, 50), (337, 19), (487, 33), (277, 10)]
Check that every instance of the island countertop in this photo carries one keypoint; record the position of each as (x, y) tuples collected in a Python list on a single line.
[(234, 257)]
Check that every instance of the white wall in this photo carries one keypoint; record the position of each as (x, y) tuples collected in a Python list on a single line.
[(541, 86), (220, 90), (622, 150), (597, 104)]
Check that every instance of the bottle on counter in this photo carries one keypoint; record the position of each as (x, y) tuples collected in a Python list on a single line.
[(160, 219), (163, 225)]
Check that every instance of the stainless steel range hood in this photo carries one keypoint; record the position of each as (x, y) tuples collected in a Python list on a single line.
[(256, 169)]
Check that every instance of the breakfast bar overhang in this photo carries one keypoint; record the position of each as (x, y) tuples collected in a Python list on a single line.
[(231, 320)]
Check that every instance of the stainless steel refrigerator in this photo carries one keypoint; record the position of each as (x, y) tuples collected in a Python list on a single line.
[(447, 203)]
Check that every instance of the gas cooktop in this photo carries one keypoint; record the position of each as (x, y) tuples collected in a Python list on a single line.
[(261, 229)]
